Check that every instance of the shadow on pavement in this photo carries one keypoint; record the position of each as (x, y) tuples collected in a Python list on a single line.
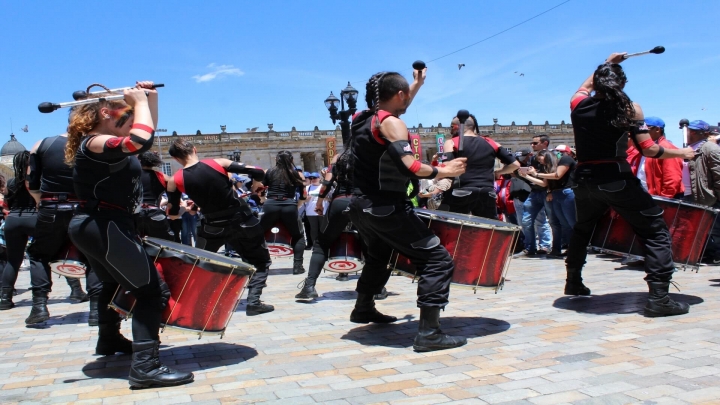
[(402, 332), (717, 281), (615, 303), (187, 358)]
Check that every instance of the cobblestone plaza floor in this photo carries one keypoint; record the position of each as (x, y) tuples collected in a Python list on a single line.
[(528, 344)]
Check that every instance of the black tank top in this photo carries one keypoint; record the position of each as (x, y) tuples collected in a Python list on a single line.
[(152, 187), (595, 138), (57, 177), (275, 182), (18, 197), (113, 181), (208, 185), (374, 172)]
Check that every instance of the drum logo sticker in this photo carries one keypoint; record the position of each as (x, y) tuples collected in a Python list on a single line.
[(69, 270), (279, 250), (342, 265)]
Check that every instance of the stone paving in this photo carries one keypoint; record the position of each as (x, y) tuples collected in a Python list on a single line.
[(527, 345)]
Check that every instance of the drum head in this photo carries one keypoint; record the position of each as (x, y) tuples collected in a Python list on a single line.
[(467, 220), (343, 265), (206, 260), (68, 268)]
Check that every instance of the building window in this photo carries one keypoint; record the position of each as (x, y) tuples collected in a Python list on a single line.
[(167, 169)]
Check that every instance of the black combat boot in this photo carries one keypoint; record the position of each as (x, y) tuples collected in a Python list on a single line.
[(146, 369), (308, 291), (430, 337), (254, 305), (93, 316), (6, 295), (659, 302), (111, 341), (574, 284), (298, 267), (76, 292), (342, 277), (39, 312), (365, 311)]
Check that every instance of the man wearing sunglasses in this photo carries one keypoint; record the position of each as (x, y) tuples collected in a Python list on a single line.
[(536, 206)]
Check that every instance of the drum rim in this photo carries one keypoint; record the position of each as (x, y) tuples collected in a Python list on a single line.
[(501, 226), (467, 286), (687, 203), (239, 269)]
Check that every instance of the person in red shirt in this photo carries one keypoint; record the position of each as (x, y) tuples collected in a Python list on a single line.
[(661, 177)]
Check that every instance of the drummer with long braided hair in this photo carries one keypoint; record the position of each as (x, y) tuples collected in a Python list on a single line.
[(283, 182), (602, 123), (19, 227), (383, 165), (103, 139)]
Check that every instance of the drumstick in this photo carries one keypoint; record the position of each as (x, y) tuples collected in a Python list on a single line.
[(462, 115), (684, 126), (657, 50), (81, 94)]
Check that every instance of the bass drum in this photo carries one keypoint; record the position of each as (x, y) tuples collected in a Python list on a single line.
[(279, 240), (345, 255), (689, 225), (481, 248), (205, 287)]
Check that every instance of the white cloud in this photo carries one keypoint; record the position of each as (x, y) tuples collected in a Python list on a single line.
[(217, 71)]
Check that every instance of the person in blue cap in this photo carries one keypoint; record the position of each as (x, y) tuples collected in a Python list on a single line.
[(661, 177), (701, 177)]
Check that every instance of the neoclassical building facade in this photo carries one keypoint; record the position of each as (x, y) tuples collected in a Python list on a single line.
[(309, 147)]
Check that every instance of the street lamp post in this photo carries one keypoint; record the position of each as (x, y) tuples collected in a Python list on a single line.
[(347, 95), (234, 155)]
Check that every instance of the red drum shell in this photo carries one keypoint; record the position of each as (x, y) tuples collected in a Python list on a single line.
[(205, 287), (68, 261), (345, 255), (481, 248), (279, 244), (689, 225)]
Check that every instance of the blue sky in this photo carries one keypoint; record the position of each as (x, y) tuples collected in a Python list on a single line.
[(245, 64)]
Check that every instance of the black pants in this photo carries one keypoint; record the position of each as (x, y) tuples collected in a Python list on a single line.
[(317, 223), (109, 241), (635, 206), (481, 202), (51, 233), (153, 222), (384, 228), (305, 231), (245, 236), (176, 227), (337, 221), (19, 227), (287, 212)]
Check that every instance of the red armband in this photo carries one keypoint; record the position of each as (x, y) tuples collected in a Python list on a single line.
[(127, 143), (434, 163), (415, 167), (646, 144), (143, 127)]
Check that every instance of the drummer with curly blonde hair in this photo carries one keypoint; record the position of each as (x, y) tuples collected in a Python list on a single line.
[(103, 139)]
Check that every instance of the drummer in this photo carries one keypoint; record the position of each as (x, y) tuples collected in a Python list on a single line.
[(383, 165), (102, 140), (19, 227), (601, 123), (51, 184), (283, 182), (151, 220), (227, 219), (473, 192)]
